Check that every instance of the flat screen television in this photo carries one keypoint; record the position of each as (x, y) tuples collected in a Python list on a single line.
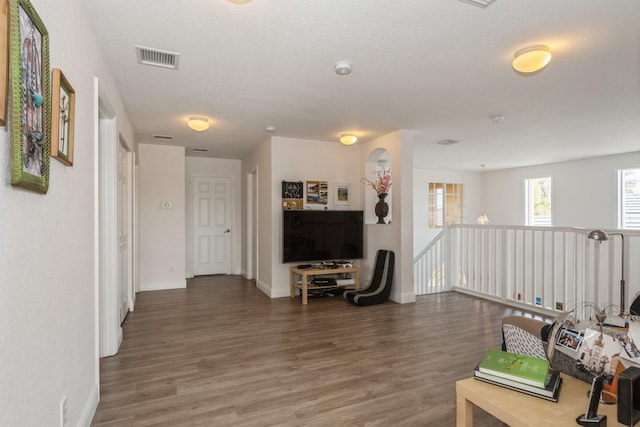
[(310, 235)]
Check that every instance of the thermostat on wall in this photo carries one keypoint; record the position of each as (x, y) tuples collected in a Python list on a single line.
[(167, 205)]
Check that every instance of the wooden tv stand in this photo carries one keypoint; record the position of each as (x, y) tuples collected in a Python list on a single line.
[(304, 273)]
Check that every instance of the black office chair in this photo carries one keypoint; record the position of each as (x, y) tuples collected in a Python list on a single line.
[(379, 287)]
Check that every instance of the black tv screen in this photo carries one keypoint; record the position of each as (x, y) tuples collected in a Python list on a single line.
[(322, 235)]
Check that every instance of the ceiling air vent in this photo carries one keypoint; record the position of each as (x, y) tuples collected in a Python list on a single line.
[(157, 57), (479, 3), (163, 138)]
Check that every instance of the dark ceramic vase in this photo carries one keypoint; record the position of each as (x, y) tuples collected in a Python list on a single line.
[(382, 208)]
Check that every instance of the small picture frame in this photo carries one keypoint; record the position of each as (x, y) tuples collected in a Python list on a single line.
[(30, 87), (63, 100), (342, 194)]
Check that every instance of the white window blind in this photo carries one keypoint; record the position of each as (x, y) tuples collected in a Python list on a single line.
[(629, 191)]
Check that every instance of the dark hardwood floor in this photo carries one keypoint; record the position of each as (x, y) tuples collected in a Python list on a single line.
[(221, 353)]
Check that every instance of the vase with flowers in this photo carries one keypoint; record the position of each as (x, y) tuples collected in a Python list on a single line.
[(381, 184)]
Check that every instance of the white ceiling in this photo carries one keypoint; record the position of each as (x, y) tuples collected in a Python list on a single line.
[(440, 68)]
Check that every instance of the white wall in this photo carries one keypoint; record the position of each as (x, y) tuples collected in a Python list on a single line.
[(398, 235), (584, 192), (47, 291), (162, 231), (471, 201), (305, 160), (259, 161), (219, 168)]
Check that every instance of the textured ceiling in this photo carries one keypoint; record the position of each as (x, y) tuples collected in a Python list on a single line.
[(440, 68)]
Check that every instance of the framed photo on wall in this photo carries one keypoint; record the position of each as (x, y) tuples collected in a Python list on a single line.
[(342, 195), (30, 109), (292, 195), (317, 192), (63, 99)]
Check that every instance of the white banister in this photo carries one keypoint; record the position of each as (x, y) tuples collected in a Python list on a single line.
[(548, 269)]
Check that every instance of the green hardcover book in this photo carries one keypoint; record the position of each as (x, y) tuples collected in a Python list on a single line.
[(515, 367)]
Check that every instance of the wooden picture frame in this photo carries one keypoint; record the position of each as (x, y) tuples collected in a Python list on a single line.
[(317, 192), (4, 60), (63, 100), (30, 94), (342, 195)]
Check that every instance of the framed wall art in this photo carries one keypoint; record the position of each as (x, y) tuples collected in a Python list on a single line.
[(292, 195), (4, 62), (29, 109), (342, 195), (63, 99), (317, 192)]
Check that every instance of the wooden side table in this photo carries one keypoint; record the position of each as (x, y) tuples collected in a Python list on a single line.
[(521, 410), (305, 273)]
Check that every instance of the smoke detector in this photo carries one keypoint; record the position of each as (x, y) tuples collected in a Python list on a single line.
[(343, 68)]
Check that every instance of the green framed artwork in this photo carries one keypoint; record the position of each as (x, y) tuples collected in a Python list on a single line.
[(30, 90), (4, 35)]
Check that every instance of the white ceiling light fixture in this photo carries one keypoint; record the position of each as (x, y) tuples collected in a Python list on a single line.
[(269, 129), (348, 138), (531, 59), (239, 1), (447, 142), (480, 3), (199, 124), (343, 68)]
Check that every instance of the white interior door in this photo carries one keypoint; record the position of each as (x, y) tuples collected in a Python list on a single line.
[(123, 232), (211, 225)]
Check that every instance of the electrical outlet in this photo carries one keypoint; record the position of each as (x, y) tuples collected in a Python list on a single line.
[(64, 411)]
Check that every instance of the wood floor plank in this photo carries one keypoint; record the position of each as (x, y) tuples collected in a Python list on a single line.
[(221, 353)]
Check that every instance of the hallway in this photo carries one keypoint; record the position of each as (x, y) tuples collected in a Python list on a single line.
[(221, 353)]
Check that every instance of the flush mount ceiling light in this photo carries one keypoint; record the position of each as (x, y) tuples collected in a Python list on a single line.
[(239, 1), (269, 129), (531, 59), (447, 142), (199, 124), (343, 68), (348, 138), (480, 3)]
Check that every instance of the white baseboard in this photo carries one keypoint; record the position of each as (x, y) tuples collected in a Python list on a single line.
[(90, 407), (405, 298), (266, 289), (177, 284)]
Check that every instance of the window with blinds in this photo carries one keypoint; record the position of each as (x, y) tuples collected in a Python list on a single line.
[(445, 204), (538, 201), (629, 195)]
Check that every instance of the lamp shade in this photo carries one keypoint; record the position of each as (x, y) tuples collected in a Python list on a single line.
[(531, 59), (199, 124), (348, 138), (598, 235), (483, 219)]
